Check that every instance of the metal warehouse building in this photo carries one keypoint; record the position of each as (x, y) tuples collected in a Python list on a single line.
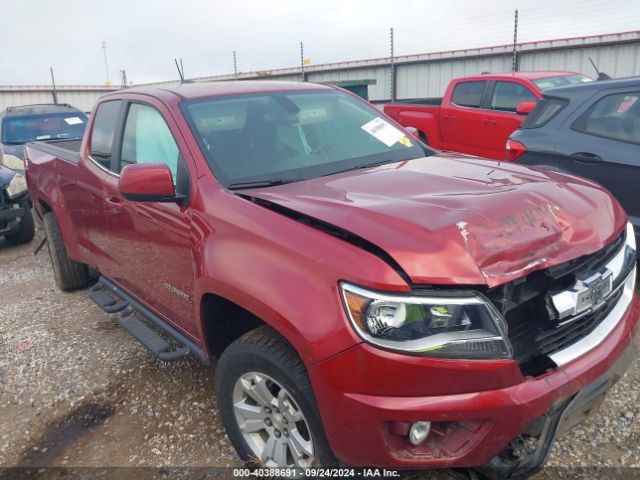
[(409, 76)]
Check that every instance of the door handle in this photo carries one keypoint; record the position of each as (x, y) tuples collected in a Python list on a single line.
[(488, 121), (115, 203), (586, 157)]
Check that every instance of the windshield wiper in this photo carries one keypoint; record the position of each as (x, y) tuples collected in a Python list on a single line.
[(364, 165), (258, 183)]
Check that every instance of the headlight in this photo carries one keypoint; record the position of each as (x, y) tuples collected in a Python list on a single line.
[(17, 186), (451, 326), (631, 237), (12, 162)]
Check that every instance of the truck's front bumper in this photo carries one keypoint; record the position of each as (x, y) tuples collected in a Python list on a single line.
[(369, 397), (11, 213)]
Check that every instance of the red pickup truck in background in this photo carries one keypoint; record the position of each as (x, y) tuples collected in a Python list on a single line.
[(368, 300), (478, 113)]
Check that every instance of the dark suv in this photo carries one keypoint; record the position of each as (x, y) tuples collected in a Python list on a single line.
[(19, 125), (28, 123), (591, 130)]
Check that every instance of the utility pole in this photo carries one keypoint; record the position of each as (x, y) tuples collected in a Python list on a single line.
[(302, 62), (106, 65), (235, 66), (53, 83), (123, 74), (514, 65), (392, 68)]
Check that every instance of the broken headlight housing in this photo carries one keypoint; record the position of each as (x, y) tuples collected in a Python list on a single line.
[(12, 162), (461, 325), (17, 186)]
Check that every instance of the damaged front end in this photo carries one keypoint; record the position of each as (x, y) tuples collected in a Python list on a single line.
[(14, 202), (559, 313), (555, 316), (529, 451)]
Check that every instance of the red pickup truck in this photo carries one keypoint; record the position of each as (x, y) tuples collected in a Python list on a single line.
[(368, 301), (478, 113)]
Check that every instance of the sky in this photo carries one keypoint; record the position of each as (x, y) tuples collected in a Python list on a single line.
[(144, 36)]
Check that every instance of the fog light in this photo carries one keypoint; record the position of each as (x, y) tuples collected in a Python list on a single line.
[(418, 432)]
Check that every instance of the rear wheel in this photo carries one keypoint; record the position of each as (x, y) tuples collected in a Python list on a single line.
[(69, 274), (26, 230), (267, 403)]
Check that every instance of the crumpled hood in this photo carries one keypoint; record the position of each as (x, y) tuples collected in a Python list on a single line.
[(460, 220)]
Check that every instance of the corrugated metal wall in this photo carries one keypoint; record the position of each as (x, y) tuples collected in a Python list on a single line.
[(616, 60), (431, 79), (417, 76), (79, 97), (381, 75)]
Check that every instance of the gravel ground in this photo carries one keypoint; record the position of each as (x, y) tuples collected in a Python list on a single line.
[(77, 391)]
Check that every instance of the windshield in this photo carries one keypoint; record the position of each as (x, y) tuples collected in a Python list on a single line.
[(27, 128), (270, 138), (561, 81)]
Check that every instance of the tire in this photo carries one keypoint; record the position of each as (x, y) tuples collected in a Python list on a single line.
[(26, 231), (265, 353), (69, 274)]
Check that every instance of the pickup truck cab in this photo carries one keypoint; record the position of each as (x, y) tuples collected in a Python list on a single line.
[(368, 301), (478, 113)]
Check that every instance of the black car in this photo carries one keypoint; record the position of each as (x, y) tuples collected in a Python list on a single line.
[(28, 123), (19, 125), (16, 220), (591, 130)]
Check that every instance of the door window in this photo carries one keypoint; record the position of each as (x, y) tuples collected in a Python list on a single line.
[(147, 138), (106, 117), (507, 96), (614, 116), (468, 94)]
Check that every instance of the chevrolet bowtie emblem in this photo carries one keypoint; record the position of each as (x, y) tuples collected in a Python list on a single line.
[(590, 290)]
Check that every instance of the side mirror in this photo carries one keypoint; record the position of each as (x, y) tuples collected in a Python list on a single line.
[(413, 131), (148, 182), (524, 108)]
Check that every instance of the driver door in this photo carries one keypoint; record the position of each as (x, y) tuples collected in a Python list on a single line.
[(151, 241)]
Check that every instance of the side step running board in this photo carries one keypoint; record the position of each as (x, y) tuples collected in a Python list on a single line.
[(162, 339), (106, 298), (149, 337)]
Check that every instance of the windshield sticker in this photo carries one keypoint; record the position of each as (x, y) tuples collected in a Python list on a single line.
[(73, 120), (404, 140), (381, 130)]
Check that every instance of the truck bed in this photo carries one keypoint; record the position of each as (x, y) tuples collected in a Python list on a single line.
[(66, 149)]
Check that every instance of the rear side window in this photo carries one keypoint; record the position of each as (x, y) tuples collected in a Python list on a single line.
[(468, 94), (103, 130), (615, 116), (547, 109), (507, 95)]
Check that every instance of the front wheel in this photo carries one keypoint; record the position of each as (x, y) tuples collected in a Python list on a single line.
[(267, 403)]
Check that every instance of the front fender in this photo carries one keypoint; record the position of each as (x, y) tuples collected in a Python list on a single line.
[(284, 272)]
